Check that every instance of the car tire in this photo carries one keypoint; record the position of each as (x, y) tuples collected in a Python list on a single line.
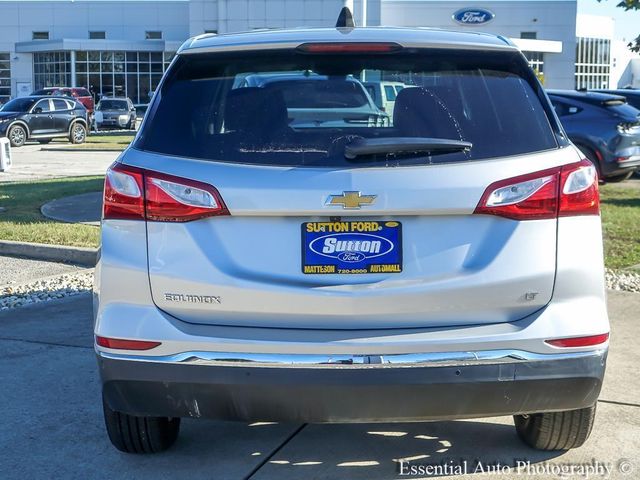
[(131, 434), (78, 133), (619, 178), (44, 141), (556, 430), (17, 135)]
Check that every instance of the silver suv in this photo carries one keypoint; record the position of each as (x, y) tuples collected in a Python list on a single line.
[(447, 264)]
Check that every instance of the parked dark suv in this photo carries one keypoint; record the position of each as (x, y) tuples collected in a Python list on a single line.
[(43, 118), (604, 127)]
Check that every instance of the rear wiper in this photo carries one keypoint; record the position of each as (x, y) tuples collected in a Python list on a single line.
[(403, 145)]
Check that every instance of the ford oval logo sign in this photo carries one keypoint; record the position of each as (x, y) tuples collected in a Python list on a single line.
[(473, 16)]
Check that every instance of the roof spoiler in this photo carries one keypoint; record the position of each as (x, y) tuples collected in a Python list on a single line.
[(345, 19)]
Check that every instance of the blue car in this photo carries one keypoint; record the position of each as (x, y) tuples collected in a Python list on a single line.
[(604, 127)]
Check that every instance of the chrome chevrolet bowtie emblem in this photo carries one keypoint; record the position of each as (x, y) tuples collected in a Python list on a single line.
[(350, 200)]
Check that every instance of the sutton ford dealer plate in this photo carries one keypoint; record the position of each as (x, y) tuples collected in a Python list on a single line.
[(350, 247)]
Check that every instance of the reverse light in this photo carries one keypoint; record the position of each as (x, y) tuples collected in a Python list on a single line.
[(131, 193), (124, 344), (349, 47), (175, 199), (518, 192), (558, 192), (527, 197), (579, 341)]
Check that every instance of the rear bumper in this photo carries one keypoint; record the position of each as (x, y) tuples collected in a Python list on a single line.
[(356, 389)]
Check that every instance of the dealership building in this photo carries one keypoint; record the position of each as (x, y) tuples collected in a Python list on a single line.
[(123, 47)]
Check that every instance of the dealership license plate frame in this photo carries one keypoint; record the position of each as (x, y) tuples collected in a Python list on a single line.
[(315, 263)]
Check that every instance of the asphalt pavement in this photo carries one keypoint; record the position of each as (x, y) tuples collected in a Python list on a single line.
[(30, 163), (15, 271), (52, 422)]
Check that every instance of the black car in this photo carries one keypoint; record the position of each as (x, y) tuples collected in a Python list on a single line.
[(632, 95), (43, 118), (604, 127)]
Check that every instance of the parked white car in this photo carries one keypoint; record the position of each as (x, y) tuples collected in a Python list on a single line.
[(445, 265), (384, 94)]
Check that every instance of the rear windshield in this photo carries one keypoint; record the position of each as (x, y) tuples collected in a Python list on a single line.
[(112, 105), (307, 108)]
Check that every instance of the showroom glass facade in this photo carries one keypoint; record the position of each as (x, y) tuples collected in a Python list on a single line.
[(123, 74), (109, 73), (593, 58), (51, 69), (536, 60), (5, 77)]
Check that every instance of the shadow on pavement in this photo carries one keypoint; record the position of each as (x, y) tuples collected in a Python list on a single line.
[(371, 451)]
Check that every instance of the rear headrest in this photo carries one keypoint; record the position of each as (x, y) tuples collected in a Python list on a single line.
[(254, 110), (420, 113)]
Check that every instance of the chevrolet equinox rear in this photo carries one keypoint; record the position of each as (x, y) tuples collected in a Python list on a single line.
[(443, 263)]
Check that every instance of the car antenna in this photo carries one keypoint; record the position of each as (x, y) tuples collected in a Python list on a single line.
[(345, 19)]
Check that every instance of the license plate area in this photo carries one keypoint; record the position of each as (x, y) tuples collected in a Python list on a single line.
[(351, 247)]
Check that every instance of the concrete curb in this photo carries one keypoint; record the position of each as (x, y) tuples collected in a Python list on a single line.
[(52, 253), (71, 149)]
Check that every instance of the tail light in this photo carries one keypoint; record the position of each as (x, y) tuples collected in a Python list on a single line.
[(573, 342), (628, 128), (557, 192), (124, 344), (132, 193)]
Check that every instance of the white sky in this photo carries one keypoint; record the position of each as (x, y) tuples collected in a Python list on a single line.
[(627, 23)]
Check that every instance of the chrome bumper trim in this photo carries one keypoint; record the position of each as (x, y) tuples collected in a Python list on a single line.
[(409, 360)]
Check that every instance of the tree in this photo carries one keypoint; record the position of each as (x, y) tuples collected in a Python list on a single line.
[(631, 5)]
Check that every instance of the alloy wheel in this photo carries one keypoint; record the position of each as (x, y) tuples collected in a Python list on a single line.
[(79, 133), (17, 136)]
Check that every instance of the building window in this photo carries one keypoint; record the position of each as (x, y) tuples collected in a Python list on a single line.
[(153, 35), (529, 35), (5, 77), (40, 36), (536, 62), (593, 63), (211, 31), (97, 35), (51, 69), (124, 74)]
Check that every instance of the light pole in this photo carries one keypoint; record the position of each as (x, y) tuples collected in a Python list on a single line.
[(364, 13)]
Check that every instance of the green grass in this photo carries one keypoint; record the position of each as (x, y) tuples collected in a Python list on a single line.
[(22, 221), (115, 143), (621, 225)]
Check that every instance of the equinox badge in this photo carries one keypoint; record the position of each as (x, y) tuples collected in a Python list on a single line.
[(350, 200)]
